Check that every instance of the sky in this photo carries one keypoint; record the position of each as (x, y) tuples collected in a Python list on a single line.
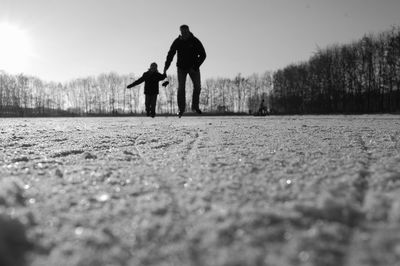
[(60, 40)]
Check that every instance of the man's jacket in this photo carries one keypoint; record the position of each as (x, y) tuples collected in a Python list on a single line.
[(191, 53)]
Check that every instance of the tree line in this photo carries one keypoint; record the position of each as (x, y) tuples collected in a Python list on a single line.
[(360, 77), (106, 94)]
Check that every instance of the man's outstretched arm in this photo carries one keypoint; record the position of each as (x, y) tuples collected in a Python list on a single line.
[(170, 56)]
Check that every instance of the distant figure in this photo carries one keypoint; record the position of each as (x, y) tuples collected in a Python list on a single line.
[(191, 55), (151, 78), (261, 106), (262, 110)]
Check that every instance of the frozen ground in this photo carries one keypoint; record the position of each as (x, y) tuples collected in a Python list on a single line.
[(314, 190)]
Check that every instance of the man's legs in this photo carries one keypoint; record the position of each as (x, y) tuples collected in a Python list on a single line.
[(195, 77), (181, 95)]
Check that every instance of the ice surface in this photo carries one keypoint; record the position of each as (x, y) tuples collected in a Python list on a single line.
[(293, 190)]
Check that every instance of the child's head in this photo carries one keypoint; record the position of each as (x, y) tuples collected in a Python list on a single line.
[(153, 67)]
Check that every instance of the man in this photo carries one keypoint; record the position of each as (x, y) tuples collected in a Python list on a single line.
[(191, 55)]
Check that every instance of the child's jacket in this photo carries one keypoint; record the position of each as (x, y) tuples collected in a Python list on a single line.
[(151, 80)]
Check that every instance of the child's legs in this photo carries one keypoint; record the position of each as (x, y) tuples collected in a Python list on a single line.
[(181, 95), (153, 102), (147, 103)]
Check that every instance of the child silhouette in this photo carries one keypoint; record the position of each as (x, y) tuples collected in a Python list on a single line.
[(151, 78)]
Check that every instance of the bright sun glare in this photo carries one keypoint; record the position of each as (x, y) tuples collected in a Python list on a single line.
[(15, 48)]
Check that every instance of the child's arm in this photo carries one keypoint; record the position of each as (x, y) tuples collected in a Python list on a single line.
[(163, 76), (137, 82)]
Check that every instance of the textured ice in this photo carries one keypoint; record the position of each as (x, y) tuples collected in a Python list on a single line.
[(294, 190)]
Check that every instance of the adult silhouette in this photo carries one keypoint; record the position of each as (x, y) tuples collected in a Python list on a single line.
[(191, 55)]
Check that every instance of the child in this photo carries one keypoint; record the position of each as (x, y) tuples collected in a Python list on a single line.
[(151, 79)]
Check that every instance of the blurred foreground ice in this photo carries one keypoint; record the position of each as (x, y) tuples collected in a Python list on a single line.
[(313, 190)]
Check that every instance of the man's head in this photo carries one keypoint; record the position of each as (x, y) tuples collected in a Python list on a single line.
[(153, 67), (185, 32)]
